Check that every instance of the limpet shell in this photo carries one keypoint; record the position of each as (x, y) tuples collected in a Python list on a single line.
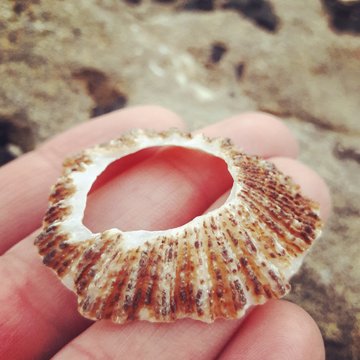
[(216, 266)]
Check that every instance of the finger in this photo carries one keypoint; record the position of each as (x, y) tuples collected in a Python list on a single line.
[(277, 330), (109, 126), (29, 295), (32, 271), (259, 134), (25, 182), (25, 197), (185, 339)]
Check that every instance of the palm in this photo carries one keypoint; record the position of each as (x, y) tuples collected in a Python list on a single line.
[(39, 316)]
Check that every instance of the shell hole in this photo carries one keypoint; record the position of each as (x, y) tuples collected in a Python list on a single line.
[(157, 188)]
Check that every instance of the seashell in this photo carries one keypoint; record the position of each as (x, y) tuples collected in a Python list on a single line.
[(216, 266)]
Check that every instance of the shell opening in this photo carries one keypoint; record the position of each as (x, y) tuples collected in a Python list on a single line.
[(131, 193)]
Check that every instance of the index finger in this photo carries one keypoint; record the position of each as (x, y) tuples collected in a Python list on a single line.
[(25, 182)]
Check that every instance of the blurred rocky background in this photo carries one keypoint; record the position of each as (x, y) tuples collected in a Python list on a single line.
[(63, 62)]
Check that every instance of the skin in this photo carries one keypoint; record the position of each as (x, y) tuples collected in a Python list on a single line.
[(38, 314)]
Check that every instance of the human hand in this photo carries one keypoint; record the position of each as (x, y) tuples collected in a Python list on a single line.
[(38, 314)]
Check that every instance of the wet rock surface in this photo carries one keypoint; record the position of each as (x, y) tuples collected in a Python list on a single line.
[(63, 62)]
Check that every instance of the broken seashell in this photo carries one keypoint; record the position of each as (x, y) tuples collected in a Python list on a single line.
[(216, 266)]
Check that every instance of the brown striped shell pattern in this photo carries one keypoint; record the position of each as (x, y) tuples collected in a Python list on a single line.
[(216, 266)]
